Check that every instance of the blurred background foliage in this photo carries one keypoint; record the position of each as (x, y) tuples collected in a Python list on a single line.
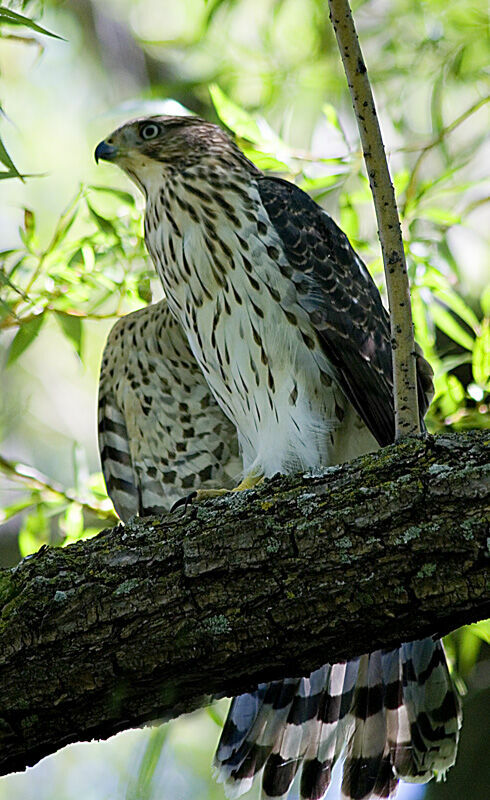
[(72, 259)]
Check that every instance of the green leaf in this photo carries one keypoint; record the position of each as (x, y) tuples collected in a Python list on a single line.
[(140, 786), (449, 325), (126, 197), (34, 531), (213, 712), (24, 337), (485, 301), (481, 629), (444, 292), (4, 175), (63, 225), (71, 325), (481, 355), (440, 215), (9, 17), (72, 522), (29, 222), (265, 161), (104, 224), (235, 118), (349, 219), (5, 159), (10, 511), (469, 648), (400, 181), (322, 182), (331, 115), (143, 289)]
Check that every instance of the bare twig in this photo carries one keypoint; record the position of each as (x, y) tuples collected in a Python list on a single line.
[(402, 341), (410, 191), (35, 481)]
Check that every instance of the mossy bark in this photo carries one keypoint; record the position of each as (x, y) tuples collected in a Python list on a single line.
[(144, 621)]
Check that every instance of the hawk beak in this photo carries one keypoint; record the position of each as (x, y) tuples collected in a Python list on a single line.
[(106, 151)]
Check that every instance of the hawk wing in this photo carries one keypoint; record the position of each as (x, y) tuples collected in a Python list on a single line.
[(344, 306), (161, 433)]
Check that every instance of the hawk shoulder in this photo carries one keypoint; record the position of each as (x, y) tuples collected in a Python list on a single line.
[(344, 306)]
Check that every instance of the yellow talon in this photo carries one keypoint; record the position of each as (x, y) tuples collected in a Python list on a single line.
[(249, 481)]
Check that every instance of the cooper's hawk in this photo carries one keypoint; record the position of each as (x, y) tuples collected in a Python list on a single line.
[(290, 334)]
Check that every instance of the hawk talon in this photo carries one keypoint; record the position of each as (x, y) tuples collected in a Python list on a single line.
[(198, 495), (183, 501)]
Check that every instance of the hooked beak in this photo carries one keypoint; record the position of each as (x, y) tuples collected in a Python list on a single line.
[(106, 151)]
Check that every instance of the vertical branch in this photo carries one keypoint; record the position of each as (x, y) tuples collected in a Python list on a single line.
[(402, 341)]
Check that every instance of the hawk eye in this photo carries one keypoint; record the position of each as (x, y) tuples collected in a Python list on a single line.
[(149, 131)]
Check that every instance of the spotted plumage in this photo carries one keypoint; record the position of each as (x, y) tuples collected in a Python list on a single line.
[(288, 329), (161, 432)]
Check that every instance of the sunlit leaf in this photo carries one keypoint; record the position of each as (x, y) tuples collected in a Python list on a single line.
[(72, 522), (446, 322), (485, 301), (213, 712), (469, 649), (265, 161), (349, 219), (34, 531), (24, 337), (481, 629), (235, 118), (15, 508), (481, 355), (440, 215), (317, 184), (400, 181), (331, 114)]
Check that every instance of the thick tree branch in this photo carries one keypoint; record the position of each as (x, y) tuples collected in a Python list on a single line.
[(142, 621), (402, 341)]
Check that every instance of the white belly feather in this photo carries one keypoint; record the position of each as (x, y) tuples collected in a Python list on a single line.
[(280, 393)]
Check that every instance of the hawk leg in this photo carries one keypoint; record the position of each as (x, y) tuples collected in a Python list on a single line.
[(249, 482)]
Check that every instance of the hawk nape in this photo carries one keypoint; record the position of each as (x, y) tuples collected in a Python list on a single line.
[(289, 332)]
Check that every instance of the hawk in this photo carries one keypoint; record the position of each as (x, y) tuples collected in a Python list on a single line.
[(288, 330)]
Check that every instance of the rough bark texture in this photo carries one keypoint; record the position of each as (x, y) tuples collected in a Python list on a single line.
[(142, 621), (402, 340)]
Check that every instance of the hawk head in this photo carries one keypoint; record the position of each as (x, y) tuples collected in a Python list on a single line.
[(151, 148)]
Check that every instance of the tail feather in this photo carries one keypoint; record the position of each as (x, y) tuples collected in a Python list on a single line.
[(332, 724), (254, 723), (433, 710), (395, 713), (367, 768), (291, 746)]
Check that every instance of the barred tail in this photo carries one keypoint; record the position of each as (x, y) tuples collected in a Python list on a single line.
[(394, 714)]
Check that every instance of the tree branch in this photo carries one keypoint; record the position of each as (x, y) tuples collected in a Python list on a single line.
[(402, 339), (143, 621)]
